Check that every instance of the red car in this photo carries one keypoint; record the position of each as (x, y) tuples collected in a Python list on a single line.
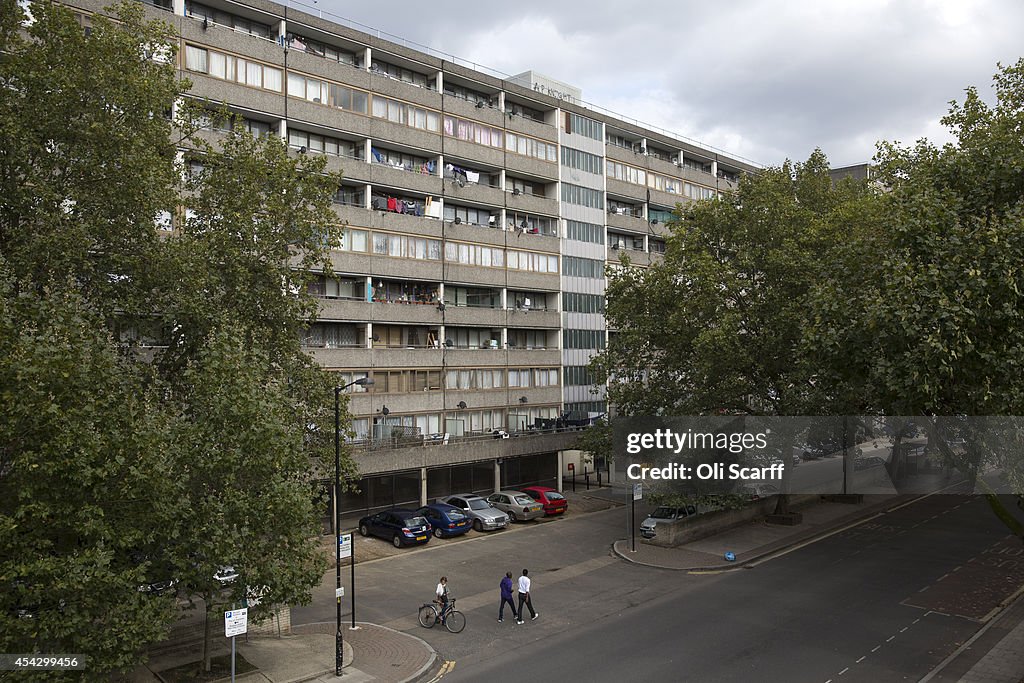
[(554, 502)]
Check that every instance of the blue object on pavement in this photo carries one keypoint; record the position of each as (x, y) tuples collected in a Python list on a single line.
[(730, 556)]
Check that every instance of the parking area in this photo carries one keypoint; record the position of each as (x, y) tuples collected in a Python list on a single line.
[(369, 548)]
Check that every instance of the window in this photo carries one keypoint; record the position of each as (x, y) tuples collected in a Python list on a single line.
[(471, 297), (403, 162), (584, 232), (536, 225), (350, 196), (580, 125), (474, 255), (468, 94), (520, 186), (475, 378), (230, 68), (619, 141), (232, 21), (583, 267), (582, 196), (575, 302), (399, 73), (624, 209), (626, 174), (531, 147), (343, 378), (698, 192), (405, 114), (473, 337), (665, 184), (529, 339), (472, 131), (656, 246), (313, 47), (338, 288), (470, 216), (580, 160), (532, 261), (576, 375), (661, 215), (326, 93), (583, 339), (323, 144), (405, 246), (333, 336)]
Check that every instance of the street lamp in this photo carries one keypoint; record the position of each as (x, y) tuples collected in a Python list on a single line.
[(362, 382)]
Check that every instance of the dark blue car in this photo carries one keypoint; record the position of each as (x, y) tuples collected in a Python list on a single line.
[(400, 526), (447, 520)]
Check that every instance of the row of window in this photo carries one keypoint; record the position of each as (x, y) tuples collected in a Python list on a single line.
[(582, 196), (580, 160), (584, 232), (315, 47), (230, 68), (232, 21), (576, 302), (328, 93), (324, 144), (577, 375), (581, 125), (582, 339), (421, 248), (406, 114), (582, 267), (455, 422), (482, 134)]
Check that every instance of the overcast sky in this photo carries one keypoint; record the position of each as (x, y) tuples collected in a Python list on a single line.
[(763, 80)]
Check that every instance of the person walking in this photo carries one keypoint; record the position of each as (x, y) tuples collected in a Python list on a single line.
[(524, 596), (506, 596)]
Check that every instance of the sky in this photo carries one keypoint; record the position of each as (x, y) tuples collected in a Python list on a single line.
[(766, 81)]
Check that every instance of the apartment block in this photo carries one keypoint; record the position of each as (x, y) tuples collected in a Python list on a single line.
[(481, 212)]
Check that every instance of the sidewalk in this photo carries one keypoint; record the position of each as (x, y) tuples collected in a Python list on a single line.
[(372, 653)]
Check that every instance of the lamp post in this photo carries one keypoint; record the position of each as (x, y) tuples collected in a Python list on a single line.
[(362, 382)]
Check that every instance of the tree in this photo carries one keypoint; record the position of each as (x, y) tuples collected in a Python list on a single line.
[(716, 328), (925, 314), (184, 428)]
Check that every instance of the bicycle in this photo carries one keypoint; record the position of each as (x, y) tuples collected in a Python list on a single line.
[(452, 619)]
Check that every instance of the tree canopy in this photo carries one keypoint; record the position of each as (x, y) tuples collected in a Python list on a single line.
[(158, 417)]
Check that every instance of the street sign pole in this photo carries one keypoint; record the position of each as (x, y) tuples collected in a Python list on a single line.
[(638, 494), (352, 564)]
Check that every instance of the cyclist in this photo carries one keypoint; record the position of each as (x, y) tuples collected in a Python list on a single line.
[(442, 595)]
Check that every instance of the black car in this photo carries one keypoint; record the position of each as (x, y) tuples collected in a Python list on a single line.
[(400, 526)]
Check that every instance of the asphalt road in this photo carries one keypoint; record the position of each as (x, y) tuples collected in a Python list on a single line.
[(884, 601)]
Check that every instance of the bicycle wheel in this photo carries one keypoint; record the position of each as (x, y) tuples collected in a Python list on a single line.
[(427, 616), (455, 621)]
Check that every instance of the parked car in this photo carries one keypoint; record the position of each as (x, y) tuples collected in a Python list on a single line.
[(554, 502), (867, 462), (517, 505), (665, 514), (400, 526), (446, 520), (479, 510), (226, 575)]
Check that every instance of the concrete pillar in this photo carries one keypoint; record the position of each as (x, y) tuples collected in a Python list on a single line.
[(283, 130), (497, 476), (561, 470), (440, 81), (179, 7), (368, 198), (367, 59), (423, 486), (369, 335)]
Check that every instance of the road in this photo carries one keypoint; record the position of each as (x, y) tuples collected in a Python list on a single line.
[(886, 600)]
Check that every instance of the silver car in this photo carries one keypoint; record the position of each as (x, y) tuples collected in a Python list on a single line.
[(478, 510), (665, 514), (517, 505)]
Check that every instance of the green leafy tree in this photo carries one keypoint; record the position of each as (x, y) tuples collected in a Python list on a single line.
[(924, 313), (160, 418), (717, 326)]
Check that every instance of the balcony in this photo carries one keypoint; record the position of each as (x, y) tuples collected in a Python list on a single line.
[(628, 222)]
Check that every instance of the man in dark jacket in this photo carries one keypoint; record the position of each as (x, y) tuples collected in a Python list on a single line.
[(506, 596)]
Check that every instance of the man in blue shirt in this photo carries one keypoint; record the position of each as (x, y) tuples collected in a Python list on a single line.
[(506, 596)]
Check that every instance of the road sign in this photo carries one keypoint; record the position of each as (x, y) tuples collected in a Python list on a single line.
[(638, 491), (572, 466), (339, 592), (345, 545), (236, 622)]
